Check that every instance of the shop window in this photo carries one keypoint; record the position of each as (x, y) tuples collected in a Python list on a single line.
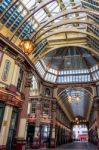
[(2, 107), (6, 70), (45, 131), (12, 129)]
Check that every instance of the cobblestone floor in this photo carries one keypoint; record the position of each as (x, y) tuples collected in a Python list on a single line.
[(75, 146)]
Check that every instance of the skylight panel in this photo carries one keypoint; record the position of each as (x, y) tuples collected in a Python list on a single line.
[(24, 13), (52, 6), (28, 3), (66, 2), (35, 25), (57, 9), (77, 1), (40, 15), (20, 8)]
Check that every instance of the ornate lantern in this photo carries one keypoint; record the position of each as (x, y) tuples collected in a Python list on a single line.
[(27, 46)]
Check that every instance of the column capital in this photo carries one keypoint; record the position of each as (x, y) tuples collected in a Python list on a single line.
[(96, 103)]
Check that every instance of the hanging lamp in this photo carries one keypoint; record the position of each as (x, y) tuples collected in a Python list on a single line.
[(27, 45)]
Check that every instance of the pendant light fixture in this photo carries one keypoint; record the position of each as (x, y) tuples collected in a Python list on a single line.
[(26, 44)]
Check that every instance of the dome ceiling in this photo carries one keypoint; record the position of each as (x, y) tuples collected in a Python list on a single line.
[(70, 58), (69, 64)]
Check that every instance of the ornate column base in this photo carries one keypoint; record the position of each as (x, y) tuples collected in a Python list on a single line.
[(20, 145), (36, 143), (52, 143), (43, 145), (3, 147), (98, 144)]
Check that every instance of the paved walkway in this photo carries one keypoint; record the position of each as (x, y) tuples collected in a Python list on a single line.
[(78, 146), (74, 146)]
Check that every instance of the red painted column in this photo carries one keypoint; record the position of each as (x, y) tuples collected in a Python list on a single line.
[(96, 106), (53, 138), (36, 139)]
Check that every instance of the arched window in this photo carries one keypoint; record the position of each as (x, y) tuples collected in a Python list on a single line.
[(34, 88), (34, 83)]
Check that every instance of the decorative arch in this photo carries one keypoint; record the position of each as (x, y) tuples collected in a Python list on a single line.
[(78, 88), (62, 14), (69, 31), (65, 22), (67, 45)]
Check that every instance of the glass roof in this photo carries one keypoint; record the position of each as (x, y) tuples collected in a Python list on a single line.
[(76, 108), (72, 65), (52, 24), (22, 8)]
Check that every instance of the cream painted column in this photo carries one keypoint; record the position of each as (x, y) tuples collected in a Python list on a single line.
[(29, 108), (41, 89), (15, 75), (23, 118), (22, 127), (5, 125)]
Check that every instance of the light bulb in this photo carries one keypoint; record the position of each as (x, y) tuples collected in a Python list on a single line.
[(69, 99), (77, 98)]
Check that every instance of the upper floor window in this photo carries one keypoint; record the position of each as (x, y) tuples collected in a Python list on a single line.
[(34, 88), (33, 109), (6, 70), (45, 108), (34, 83)]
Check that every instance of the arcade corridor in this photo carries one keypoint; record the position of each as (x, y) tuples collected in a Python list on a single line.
[(49, 74)]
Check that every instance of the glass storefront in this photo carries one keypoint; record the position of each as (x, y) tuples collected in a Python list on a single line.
[(12, 129), (2, 107)]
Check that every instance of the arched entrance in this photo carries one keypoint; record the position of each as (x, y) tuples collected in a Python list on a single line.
[(80, 133)]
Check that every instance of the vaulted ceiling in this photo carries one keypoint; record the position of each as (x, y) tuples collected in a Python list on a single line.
[(66, 34)]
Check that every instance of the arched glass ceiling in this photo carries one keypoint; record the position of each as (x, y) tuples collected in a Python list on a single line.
[(76, 109), (69, 65), (41, 10), (37, 19)]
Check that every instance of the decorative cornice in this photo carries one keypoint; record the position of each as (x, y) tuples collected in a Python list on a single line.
[(11, 99)]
